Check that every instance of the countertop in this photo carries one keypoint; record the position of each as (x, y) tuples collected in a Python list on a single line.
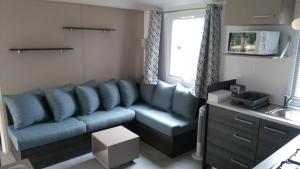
[(280, 155), (256, 113)]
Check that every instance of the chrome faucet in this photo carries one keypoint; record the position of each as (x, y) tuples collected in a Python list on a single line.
[(288, 99)]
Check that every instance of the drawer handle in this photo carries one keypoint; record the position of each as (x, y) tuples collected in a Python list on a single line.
[(275, 130), (239, 163), (244, 121), (265, 16), (242, 138)]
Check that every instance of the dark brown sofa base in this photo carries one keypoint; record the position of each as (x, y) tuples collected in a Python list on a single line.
[(171, 146), (60, 151), (53, 153)]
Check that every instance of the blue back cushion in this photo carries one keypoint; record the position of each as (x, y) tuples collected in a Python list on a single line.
[(146, 92), (128, 91), (162, 97), (184, 103), (91, 83), (62, 102), (88, 99), (27, 108), (109, 95)]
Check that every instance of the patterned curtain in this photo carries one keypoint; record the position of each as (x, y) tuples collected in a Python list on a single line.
[(152, 48), (208, 63)]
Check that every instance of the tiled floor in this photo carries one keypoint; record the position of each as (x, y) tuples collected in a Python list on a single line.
[(150, 158)]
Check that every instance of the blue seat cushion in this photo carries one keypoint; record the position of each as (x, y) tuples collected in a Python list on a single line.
[(27, 108), (146, 92), (162, 96), (88, 99), (164, 122), (109, 95), (105, 119), (184, 103), (45, 133), (128, 91)]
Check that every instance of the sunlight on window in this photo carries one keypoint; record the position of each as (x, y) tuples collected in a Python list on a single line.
[(295, 86), (185, 46)]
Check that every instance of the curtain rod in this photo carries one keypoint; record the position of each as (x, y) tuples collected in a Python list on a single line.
[(220, 6)]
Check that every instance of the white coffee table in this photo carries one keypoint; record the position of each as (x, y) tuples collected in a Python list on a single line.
[(115, 146)]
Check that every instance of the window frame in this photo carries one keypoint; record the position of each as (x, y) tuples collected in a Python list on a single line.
[(168, 23), (295, 102)]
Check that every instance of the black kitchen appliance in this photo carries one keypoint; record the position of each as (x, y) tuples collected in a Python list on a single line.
[(250, 100), (237, 89)]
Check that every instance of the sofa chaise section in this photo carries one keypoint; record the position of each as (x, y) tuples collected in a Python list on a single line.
[(164, 122), (167, 132)]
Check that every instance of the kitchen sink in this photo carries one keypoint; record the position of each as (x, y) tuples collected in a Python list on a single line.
[(286, 113)]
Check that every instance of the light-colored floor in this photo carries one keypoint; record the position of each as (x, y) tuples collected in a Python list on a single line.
[(149, 158)]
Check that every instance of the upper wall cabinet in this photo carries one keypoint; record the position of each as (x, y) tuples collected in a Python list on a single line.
[(259, 12)]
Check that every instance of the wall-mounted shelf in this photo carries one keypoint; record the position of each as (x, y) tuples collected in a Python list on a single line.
[(20, 50), (283, 53), (90, 29), (252, 55)]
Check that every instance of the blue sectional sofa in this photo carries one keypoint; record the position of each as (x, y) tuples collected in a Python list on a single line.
[(53, 125)]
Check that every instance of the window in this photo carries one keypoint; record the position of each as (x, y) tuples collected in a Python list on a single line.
[(184, 36), (295, 88)]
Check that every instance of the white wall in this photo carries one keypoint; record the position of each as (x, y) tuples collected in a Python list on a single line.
[(97, 55), (257, 73)]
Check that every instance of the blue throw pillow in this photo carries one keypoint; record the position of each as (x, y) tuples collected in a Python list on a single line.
[(68, 87), (88, 99), (91, 83), (128, 91), (162, 97), (146, 92), (62, 102), (26, 109), (184, 103), (109, 95)]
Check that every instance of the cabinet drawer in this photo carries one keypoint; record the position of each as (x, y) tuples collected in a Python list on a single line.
[(259, 12), (220, 158), (267, 11), (232, 139), (239, 12), (273, 136), (233, 119)]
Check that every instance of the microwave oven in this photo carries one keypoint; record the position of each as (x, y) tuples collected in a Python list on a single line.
[(253, 42)]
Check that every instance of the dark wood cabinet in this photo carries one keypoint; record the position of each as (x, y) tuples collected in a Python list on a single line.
[(233, 119), (224, 159), (272, 136), (232, 139), (235, 140)]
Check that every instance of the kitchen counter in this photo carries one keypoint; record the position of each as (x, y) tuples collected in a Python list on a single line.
[(282, 154), (257, 113)]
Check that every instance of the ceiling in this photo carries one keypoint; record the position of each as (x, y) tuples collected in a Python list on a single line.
[(139, 4)]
